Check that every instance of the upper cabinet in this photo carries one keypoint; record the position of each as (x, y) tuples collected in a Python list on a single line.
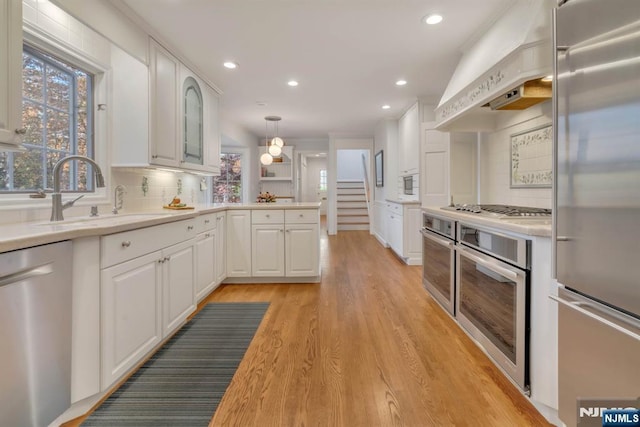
[(10, 74), (409, 142), (181, 112)]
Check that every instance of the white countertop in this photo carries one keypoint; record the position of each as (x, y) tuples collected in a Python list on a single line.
[(404, 201), (26, 234), (530, 227)]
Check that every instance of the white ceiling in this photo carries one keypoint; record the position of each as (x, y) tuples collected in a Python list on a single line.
[(346, 55)]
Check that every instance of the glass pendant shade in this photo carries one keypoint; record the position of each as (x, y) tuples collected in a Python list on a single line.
[(266, 159), (277, 141), (275, 151)]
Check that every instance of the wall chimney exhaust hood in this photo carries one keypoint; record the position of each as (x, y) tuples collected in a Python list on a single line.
[(503, 67), (522, 97)]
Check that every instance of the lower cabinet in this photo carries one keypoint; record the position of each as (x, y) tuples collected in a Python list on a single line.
[(238, 230), (302, 250), (221, 247), (403, 222), (178, 265), (206, 248), (267, 250), (266, 244), (147, 291), (131, 320)]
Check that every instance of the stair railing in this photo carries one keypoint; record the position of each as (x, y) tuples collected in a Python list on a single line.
[(365, 180)]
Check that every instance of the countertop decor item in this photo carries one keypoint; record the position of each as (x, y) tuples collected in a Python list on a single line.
[(266, 197)]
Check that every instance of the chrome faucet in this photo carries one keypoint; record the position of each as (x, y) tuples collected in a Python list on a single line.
[(56, 198), (118, 198)]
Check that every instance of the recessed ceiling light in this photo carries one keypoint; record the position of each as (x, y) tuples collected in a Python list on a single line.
[(230, 65), (401, 82), (292, 83), (432, 19), (386, 107)]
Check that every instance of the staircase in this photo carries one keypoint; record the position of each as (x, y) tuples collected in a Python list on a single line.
[(351, 204)]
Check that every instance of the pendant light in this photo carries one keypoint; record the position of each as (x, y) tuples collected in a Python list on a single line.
[(274, 147)]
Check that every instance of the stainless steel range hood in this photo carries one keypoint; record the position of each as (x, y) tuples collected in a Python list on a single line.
[(522, 97), (500, 68)]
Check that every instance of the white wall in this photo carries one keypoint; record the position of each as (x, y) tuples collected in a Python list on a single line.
[(349, 164), (494, 152)]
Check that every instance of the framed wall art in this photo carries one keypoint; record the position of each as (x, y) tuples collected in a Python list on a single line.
[(531, 158), (379, 169)]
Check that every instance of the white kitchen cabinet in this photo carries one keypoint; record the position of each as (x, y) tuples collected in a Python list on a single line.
[(147, 291), (131, 313), (267, 250), (184, 130), (409, 142), (449, 167), (11, 129), (212, 130), (221, 247), (302, 250), (129, 110), (403, 222), (164, 71), (267, 243), (178, 264), (206, 254), (238, 225)]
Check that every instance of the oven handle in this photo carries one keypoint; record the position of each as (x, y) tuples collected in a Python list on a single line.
[(431, 236), (507, 272)]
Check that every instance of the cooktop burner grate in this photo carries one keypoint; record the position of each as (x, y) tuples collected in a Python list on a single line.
[(515, 210)]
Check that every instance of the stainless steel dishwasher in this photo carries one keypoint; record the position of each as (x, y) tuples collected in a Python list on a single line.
[(35, 332)]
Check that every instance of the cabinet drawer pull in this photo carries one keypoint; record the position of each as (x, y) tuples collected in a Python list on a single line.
[(301, 215), (126, 243), (189, 227)]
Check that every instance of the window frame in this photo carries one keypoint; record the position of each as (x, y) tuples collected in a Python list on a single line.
[(243, 167), (39, 40)]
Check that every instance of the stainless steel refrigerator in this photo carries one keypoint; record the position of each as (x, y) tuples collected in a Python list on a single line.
[(597, 206)]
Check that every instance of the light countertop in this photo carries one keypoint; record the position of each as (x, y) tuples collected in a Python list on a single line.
[(404, 201), (530, 227), (26, 234)]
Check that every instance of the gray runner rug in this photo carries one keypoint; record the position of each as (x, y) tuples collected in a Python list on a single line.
[(183, 383)]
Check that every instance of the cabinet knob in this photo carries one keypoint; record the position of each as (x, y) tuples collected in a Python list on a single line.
[(167, 258), (268, 216), (206, 221), (301, 215), (161, 260), (189, 227), (21, 131), (154, 156), (282, 230), (126, 243), (207, 235)]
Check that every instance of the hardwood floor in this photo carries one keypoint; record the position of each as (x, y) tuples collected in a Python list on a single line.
[(366, 347)]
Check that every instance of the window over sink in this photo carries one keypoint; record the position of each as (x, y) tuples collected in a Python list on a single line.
[(57, 106)]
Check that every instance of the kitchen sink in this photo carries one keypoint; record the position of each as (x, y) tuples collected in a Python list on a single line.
[(105, 220)]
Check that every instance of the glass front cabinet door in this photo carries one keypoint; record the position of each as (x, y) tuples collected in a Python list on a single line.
[(192, 129)]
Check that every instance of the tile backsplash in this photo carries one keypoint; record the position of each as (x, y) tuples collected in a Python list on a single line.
[(151, 189), (495, 164)]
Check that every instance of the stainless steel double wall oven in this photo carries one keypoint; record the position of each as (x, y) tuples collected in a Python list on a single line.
[(481, 277)]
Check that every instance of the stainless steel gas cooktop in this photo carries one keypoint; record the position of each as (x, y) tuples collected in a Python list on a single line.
[(502, 211)]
